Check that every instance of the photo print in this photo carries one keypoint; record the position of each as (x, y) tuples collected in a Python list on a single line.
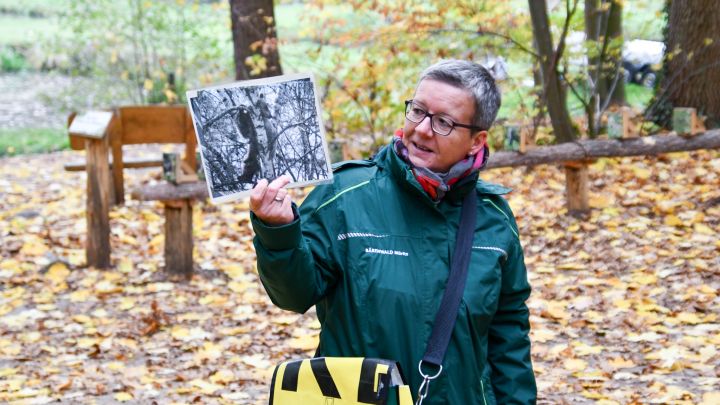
[(258, 129)]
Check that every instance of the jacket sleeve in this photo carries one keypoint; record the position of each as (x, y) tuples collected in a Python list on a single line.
[(295, 262), (512, 374)]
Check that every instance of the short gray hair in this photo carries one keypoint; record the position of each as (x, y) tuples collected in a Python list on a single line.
[(474, 78)]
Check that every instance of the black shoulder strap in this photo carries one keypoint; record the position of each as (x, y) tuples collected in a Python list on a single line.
[(447, 314)]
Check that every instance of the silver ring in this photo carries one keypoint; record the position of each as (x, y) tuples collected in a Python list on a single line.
[(278, 199)]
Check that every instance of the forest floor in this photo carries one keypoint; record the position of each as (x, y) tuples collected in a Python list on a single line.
[(624, 308)]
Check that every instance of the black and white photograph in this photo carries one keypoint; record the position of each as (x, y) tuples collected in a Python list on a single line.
[(258, 129)]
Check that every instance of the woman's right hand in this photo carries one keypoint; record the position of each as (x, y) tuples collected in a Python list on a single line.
[(271, 202)]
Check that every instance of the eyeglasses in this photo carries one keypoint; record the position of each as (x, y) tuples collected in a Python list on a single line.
[(440, 124)]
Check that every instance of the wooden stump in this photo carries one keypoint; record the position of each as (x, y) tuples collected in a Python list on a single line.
[(177, 200), (576, 186), (178, 237), (99, 187)]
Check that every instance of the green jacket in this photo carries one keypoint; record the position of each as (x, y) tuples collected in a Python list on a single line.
[(372, 250)]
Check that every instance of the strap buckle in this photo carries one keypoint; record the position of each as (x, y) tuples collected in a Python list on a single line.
[(423, 390)]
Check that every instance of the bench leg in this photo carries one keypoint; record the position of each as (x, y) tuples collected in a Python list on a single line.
[(97, 246), (178, 237)]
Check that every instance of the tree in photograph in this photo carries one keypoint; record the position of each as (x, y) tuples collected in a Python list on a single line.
[(254, 39), (692, 63)]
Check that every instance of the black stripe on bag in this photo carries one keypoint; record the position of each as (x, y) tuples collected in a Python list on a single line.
[(368, 392), (323, 378), (272, 386), (290, 376)]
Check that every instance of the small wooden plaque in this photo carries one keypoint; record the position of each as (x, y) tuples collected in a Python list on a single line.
[(176, 170), (619, 125), (91, 124), (518, 139), (686, 122)]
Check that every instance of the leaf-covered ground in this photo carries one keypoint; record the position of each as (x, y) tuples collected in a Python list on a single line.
[(624, 308)]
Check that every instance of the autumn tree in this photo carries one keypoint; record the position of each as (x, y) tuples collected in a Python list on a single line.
[(554, 88), (692, 63), (254, 39), (603, 29)]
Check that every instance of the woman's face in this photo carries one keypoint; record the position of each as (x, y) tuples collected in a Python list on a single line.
[(436, 152)]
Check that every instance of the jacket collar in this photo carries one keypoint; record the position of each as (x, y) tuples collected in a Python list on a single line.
[(388, 160)]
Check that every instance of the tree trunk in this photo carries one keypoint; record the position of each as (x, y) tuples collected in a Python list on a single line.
[(555, 94), (692, 65), (614, 75), (254, 39), (603, 25)]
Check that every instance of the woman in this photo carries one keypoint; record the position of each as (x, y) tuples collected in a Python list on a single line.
[(372, 249)]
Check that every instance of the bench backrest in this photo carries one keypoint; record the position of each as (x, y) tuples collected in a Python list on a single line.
[(147, 124), (134, 125)]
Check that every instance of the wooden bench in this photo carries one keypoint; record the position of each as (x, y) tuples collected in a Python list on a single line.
[(132, 125), (178, 200)]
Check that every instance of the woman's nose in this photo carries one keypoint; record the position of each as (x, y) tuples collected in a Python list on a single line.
[(425, 126)]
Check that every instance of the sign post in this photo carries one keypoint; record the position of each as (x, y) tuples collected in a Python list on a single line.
[(93, 126)]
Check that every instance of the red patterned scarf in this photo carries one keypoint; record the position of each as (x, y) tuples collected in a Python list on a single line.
[(436, 185)]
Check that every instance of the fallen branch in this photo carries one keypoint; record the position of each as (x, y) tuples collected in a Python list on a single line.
[(592, 149)]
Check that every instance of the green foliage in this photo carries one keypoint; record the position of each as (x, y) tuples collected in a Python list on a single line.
[(35, 140), (372, 58), (11, 61), (141, 45)]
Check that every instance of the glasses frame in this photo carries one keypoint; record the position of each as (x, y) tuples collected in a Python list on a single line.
[(427, 114)]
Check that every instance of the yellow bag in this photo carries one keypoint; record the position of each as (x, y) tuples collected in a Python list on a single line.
[(339, 381)]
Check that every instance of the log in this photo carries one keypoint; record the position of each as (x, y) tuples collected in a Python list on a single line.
[(170, 192), (592, 149), (129, 164), (99, 188)]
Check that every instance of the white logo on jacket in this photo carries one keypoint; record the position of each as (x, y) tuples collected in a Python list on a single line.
[(386, 252)]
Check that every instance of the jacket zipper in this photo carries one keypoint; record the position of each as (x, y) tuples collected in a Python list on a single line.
[(482, 387)]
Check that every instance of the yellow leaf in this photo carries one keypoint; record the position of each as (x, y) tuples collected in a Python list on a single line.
[(115, 366), (224, 376), (58, 272), (205, 387), (305, 342), (126, 303), (672, 220), (571, 266), (704, 229), (619, 362), (34, 247), (4, 372), (575, 364), (710, 398), (123, 397)]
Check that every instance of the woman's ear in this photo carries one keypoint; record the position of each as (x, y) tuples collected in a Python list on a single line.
[(478, 142)]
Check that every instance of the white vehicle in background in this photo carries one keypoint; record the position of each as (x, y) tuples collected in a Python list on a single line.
[(641, 61)]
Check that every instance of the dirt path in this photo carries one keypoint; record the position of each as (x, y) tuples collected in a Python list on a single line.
[(25, 100)]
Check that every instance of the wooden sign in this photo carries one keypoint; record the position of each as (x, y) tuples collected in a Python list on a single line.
[(91, 124), (686, 122), (176, 170), (517, 139), (619, 125)]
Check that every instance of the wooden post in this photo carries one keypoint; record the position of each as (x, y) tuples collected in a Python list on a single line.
[(576, 186), (118, 166), (97, 246), (178, 237)]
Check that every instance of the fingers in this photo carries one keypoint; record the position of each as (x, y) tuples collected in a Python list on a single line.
[(257, 194), (271, 202)]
